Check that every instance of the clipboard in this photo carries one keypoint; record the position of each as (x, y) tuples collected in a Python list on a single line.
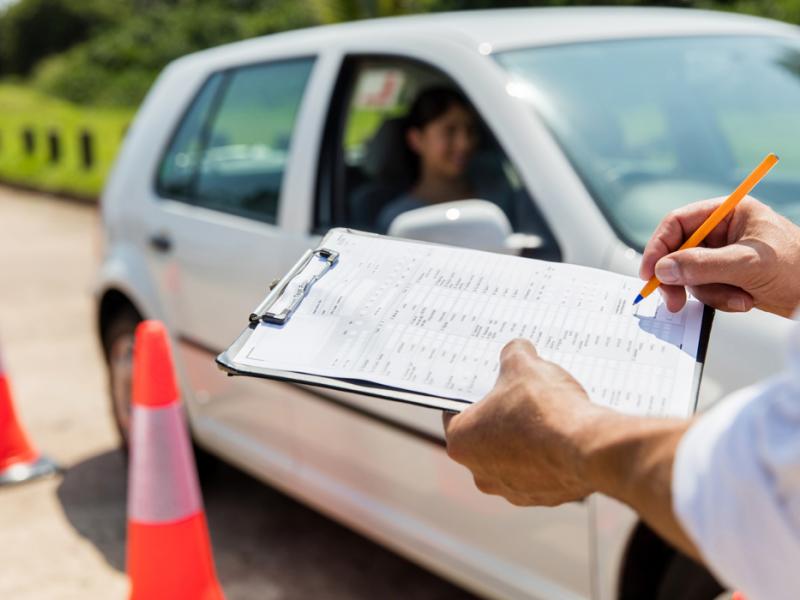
[(288, 293), (292, 295)]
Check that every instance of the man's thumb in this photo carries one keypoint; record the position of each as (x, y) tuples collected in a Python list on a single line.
[(701, 266)]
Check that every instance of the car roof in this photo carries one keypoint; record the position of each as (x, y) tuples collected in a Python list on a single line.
[(511, 28), (503, 29)]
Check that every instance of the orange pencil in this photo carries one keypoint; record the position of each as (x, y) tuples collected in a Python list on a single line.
[(715, 218)]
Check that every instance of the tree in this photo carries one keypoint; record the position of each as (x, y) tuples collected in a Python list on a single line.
[(33, 29)]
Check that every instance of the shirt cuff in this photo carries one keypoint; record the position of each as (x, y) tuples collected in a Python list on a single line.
[(722, 496)]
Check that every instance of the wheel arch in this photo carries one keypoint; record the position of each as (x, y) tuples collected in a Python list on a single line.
[(643, 565), (112, 301), (651, 568)]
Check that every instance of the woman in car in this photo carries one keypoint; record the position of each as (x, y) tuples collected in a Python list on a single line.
[(442, 134)]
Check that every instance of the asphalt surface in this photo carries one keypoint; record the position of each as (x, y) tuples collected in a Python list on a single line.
[(64, 537)]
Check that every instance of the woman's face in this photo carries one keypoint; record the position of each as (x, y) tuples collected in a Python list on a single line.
[(446, 144)]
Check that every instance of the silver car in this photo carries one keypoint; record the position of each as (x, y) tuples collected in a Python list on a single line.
[(595, 123)]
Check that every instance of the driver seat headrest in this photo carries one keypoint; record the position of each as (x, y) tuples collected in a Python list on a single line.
[(387, 157)]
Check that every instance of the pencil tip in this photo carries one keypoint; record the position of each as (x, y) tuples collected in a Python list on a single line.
[(638, 299)]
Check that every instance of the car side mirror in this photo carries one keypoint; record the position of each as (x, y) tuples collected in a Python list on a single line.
[(475, 224)]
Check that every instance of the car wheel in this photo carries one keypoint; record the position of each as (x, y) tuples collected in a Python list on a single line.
[(688, 580), (118, 339)]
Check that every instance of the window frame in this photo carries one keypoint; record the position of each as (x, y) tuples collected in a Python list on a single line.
[(226, 73), (157, 186), (331, 170)]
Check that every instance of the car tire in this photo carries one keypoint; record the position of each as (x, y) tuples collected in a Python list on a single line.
[(118, 337), (653, 569), (685, 579)]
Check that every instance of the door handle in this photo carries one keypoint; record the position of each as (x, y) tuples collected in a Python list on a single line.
[(161, 242)]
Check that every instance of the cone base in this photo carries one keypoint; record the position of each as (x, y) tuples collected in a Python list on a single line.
[(172, 561), (27, 471)]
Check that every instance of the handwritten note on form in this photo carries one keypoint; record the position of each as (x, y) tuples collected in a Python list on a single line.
[(433, 319)]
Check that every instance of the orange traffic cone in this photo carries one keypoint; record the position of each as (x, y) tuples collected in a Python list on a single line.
[(19, 459), (169, 552)]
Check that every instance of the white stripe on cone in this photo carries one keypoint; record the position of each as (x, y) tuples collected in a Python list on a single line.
[(162, 484)]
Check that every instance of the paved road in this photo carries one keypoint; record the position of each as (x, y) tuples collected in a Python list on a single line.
[(64, 538)]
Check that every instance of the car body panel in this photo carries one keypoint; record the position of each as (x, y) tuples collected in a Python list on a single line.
[(377, 466)]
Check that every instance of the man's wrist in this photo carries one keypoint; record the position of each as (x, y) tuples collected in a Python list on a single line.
[(622, 456)]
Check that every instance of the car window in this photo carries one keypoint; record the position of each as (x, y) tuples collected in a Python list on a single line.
[(177, 170), (669, 120), (230, 152), (373, 166), (247, 142), (380, 93)]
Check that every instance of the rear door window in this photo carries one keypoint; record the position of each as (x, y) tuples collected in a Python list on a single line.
[(235, 162), (179, 165)]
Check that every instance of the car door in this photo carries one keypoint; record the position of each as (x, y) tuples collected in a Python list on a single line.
[(365, 145), (387, 459), (218, 238)]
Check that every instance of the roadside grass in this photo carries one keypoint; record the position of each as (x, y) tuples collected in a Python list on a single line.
[(23, 109)]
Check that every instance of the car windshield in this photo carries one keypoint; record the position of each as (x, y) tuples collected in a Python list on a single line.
[(653, 124)]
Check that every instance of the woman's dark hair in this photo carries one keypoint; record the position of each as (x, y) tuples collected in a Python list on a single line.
[(432, 103), (429, 105)]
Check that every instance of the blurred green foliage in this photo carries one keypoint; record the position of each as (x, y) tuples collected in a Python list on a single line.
[(117, 66), (783, 10), (75, 65), (98, 52), (33, 29)]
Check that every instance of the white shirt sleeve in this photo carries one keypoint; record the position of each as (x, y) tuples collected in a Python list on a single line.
[(736, 486)]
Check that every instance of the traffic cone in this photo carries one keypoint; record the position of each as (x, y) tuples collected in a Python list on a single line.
[(19, 459), (169, 552)]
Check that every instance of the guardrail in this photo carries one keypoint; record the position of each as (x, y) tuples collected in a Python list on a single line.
[(55, 159), (56, 146)]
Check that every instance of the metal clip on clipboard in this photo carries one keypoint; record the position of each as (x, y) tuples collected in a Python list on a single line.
[(280, 317)]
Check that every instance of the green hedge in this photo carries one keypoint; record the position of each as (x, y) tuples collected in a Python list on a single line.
[(117, 66)]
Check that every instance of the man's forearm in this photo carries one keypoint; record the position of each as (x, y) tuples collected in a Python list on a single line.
[(631, 459)]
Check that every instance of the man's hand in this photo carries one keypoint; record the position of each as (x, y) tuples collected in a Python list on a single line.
[(751, 259), (523, 441), (536, 440)]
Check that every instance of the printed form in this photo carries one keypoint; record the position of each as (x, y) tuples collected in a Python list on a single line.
[(433, 319)]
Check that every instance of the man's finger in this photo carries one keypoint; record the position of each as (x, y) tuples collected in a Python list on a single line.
[(447, 420), (518, 346), (700, 266), (485, 485), (724, 297), (674, 296), (515, 357), (459, 432), (676, 227)]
